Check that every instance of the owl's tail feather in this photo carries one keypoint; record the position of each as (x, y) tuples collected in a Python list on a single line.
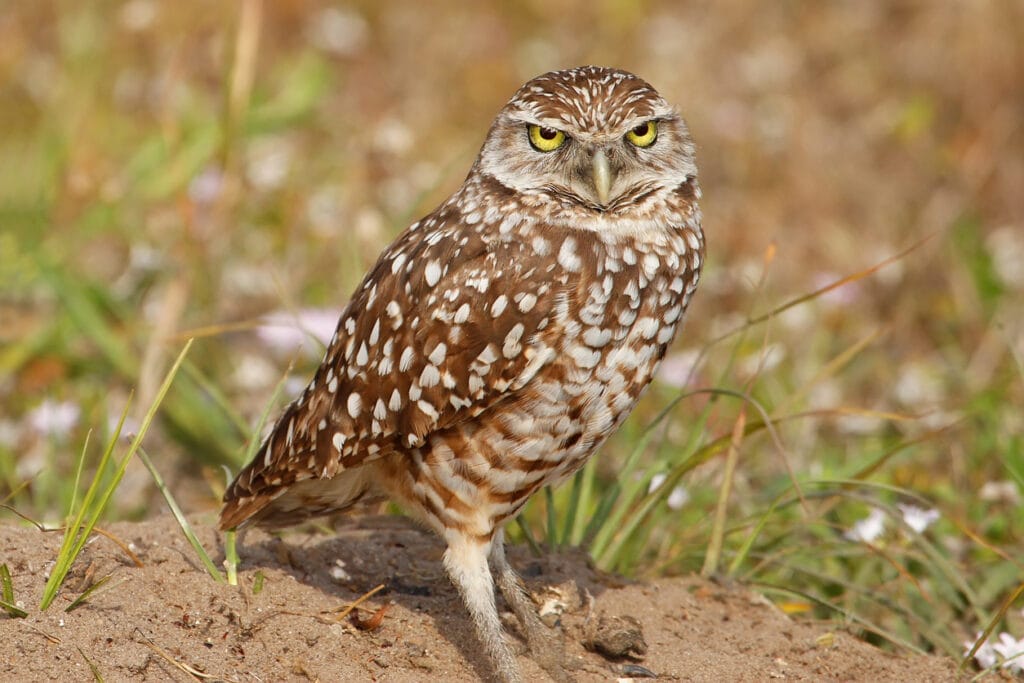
[(269, 505)]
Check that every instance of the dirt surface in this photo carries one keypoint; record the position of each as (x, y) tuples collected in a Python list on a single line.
[(170, 612)]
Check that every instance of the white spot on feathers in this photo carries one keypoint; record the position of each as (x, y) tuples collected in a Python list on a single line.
[(438, 354), (397, 263), (511, 347), (432, 273), (355, 405), (498, 307), (597, 337), (427, 409), (527, 303), (647, 327), (567, 256), (405, 362), (430, 376), (489, 354)]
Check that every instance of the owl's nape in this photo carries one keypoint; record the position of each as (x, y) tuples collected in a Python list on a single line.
[(500, 340)]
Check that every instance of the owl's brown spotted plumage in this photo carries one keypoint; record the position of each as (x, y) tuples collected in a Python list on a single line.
[(500, 340)]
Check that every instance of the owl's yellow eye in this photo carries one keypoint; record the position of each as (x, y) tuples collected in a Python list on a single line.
[(644, 135), (545, 139)]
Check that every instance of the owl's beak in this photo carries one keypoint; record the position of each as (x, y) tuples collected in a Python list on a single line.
[(602, 173)]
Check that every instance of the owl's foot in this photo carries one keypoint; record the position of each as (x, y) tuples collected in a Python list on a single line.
[(547, 648)]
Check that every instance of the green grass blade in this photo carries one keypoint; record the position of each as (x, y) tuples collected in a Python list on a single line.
[(714, 552), (90, 591), (552, 525), (528, 535), (78, 474), (626, 488), (85, 521), (95, 670), (13, 610), (66, 554), (588, 489), (6, 583), (78, 299), (215, 393), (573, 509), (7, 593), (179, 516), (231, 560), (846, 614), (744, 550)]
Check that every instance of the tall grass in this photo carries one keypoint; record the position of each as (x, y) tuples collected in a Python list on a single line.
[(82, 521)]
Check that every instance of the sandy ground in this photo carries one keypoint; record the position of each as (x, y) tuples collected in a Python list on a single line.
[(168, 614)]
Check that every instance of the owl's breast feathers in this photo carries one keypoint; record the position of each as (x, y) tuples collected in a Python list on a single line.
[(465, 310)]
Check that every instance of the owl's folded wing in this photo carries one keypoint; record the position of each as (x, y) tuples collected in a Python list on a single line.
[(445, 326)]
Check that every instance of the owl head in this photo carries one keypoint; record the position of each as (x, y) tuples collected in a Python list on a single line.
[(594, 139)]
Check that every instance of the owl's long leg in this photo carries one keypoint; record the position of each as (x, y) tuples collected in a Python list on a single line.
[(466, 562), (545, 649)]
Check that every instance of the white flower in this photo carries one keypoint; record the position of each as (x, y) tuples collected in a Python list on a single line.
[(54, 418), (206, 186), (678, 368), (1008, 652), (1012, 652), (285, 332), (269, 160), (294, 385), (656, 481), (1000, 491), (255, 373), (763, 361), (1006, 248), (859, 423), (919, 385), (676, 499), (869, 528), (340, 31), (138, 15), (917, 518), (838, 297)]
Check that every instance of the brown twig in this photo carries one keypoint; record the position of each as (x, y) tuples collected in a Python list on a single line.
[(363, 598), (148, 642)]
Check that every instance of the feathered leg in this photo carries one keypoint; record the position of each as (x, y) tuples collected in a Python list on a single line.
[(466, 562)]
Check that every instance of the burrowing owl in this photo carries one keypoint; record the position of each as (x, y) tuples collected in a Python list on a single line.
[(500, 340)]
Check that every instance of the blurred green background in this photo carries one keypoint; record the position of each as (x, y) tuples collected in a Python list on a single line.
[(184, 169)]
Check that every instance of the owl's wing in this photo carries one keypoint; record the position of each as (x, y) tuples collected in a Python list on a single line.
[(445, 325)]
